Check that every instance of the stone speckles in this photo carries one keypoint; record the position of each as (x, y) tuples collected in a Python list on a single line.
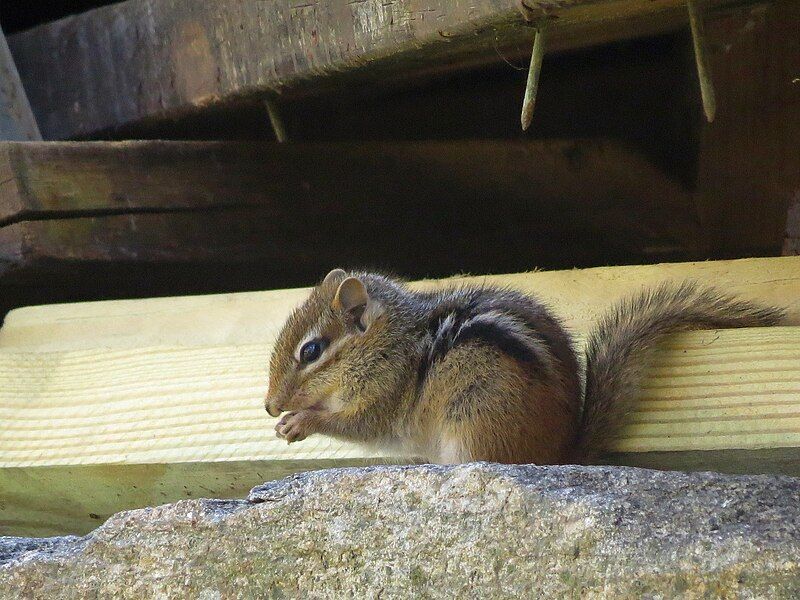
[(474, 530)]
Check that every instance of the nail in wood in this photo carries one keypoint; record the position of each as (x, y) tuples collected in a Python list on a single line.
[(533, 77), (701, 59), (275, 120)]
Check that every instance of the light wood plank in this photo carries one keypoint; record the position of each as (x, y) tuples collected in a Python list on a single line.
[(706, 391), (578, 296), (43, 501), (88, 440)]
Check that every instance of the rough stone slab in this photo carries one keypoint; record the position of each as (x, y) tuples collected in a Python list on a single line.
[(475, 530)]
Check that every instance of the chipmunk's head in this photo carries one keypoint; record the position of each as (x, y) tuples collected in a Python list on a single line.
[(325, 343)]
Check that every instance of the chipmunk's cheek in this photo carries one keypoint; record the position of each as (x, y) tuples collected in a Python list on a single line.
[(333, 402), (298, 401)]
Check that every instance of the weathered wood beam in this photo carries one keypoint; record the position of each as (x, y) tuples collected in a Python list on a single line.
[(16, 118), (451, 206), (180, 55), (749, 163), (791, 244), (49, 180), (119, 404)]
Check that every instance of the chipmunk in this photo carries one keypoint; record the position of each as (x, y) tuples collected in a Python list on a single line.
[(472, 372)]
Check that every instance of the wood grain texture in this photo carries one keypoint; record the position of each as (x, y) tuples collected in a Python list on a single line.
[(87, 210), (16, 118), (578, 297), (749, 168), (120, 404), (139, 406), (743, 462), (706, 391), (181, 55), (791, 243), (88, 178), (152, 425), (720, 389)]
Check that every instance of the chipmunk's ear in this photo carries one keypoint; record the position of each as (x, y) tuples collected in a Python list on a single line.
[(336, 274), (353, 300)]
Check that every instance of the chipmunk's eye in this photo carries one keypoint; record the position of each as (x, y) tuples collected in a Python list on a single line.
[(311, 351)]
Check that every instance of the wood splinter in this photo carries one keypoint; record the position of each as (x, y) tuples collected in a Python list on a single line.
[(275, 120), (534, 70), (701, 59)]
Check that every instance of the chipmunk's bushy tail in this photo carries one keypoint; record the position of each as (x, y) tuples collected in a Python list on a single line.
[(618, 349)]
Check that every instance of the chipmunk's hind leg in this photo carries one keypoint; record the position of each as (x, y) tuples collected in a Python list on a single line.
[(494, 409)]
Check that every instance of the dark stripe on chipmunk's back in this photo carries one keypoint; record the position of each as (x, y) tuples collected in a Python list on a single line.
[(497, 334), (453, 329)]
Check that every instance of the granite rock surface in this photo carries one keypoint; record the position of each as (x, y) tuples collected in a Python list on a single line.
[(468, 531)]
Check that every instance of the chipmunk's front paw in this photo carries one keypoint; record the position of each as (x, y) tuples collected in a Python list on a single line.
[(295, 426)]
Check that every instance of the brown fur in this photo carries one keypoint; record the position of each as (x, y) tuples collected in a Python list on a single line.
[(619, 348), (471, 373)]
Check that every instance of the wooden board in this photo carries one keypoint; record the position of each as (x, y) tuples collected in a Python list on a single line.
[(749, 168), (120, 404), (74, 179), (44, 501), (16, 118), (103, 211), (578, 296), (706, 391), (181, 56), (791, 243)]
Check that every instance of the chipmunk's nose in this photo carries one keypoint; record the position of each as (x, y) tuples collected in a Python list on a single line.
[(271, 407)]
